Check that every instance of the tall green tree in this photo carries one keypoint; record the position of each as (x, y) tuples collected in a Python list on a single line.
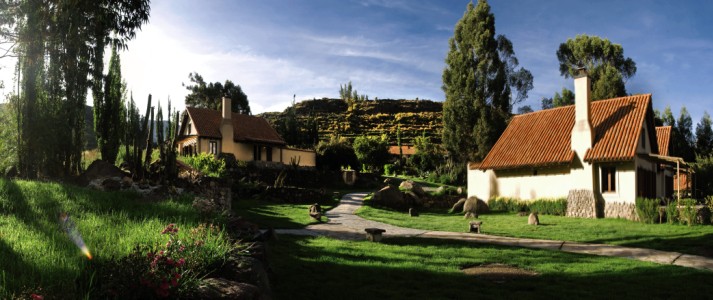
[(704, 136), (566, 98), (210, 94), (667, 117), (684, 140), (60, 45), (604, 61), (480, 76), (372, 151), (109, 114), (351, 96)]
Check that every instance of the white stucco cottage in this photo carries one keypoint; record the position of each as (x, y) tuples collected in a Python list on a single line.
[(600, 155)]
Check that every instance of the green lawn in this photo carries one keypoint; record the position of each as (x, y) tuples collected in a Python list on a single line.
[(284, 215), (693, 240), (37, 255), (323, 268)]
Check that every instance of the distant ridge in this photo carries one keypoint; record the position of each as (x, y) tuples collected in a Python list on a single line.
[(374, 117)]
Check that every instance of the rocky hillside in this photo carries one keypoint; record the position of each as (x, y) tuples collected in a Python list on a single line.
[(373, 117)]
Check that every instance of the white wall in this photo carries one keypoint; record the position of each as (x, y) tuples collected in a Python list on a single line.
[(551, 182), (306, 158), (625, 183)]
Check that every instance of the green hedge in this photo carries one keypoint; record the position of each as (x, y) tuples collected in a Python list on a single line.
[(545, 206)]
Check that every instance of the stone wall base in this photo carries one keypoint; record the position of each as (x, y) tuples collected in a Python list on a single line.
[(620, 210), (582, 204)]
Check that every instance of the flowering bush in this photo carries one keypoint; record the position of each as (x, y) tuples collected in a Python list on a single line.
[(167, 265), (169, 269)]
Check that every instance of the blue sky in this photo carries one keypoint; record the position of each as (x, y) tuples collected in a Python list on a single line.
[(396, 49)]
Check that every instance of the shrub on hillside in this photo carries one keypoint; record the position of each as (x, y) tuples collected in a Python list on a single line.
[(647, 209), (207, 164), (427, 158), (335, 153), (372, 151)]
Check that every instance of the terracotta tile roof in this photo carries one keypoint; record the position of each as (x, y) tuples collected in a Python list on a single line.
[(543, 138), (245, 128), (406, 149), (663, 137), (617, 126)]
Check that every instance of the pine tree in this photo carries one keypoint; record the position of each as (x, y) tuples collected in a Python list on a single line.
[(704, 136), (605, 63), (478, 79), (108, 107), (685, 140)]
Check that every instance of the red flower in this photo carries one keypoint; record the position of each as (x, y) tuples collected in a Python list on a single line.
[(37, 297), (181, 261), (164, 285), (177, 276), (174, 282)]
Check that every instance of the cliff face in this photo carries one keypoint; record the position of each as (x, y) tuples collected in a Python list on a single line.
[(373, 117)]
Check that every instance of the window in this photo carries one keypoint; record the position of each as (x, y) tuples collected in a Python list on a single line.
[(608, 179), (213, 147), (188, 128), (643, 140)]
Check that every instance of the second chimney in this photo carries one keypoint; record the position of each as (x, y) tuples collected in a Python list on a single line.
[(227, 103)]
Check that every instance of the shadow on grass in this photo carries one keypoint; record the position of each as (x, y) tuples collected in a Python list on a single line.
[(12, 267), (276, 214), (697, 245), (313, 268)]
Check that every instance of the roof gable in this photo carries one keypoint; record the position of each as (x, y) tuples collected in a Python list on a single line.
[(544, 137), (663, 138), (245, 128)]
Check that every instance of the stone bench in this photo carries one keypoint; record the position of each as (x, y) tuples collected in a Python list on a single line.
[(374, 234), (474, 226)]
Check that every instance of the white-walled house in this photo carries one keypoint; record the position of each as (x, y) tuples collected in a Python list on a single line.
[(248, 138), (600, 155)]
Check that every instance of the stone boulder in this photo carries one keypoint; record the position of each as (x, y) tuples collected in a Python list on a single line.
[(474, 206), (412, 200), (458, 206), (389, 196), (470, 207), (219, 288), (111, 184), (246, 270), (100, 169), (412, 186), (533, 219)]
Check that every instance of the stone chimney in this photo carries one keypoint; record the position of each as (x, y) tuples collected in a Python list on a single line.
[(582, 135), (226, 127), (582, 198)]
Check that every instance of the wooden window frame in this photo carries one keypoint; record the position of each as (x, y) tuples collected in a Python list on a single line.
[(608, 179), (213, 147)]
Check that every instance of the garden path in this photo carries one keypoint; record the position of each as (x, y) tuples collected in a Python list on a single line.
[(344, 224)]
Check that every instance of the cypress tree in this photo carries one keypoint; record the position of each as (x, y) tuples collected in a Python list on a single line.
[(108, 107), (480, 72)]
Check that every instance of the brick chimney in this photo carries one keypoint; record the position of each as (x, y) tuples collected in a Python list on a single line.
[(582, 135), (226, 127)]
